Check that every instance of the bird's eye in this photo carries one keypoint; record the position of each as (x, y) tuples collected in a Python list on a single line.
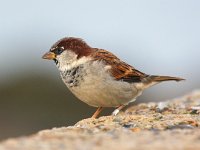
[(58, 51)]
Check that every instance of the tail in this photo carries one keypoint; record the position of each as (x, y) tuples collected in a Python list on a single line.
[(155, 78), (151, 80)]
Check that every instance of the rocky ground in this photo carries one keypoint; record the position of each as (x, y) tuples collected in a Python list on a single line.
[(166, 125)]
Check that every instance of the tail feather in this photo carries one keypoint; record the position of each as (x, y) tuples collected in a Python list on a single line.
[(164, 78), (151, 80)]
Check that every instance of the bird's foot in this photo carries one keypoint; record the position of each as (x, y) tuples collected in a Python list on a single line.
[(97, 112), (116, 111)]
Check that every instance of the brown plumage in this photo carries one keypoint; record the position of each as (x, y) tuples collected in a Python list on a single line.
[(165, 78), (123, 71), (119, 69), (98, 77), (76, 45)]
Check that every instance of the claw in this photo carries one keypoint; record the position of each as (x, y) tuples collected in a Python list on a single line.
[(115, 112)]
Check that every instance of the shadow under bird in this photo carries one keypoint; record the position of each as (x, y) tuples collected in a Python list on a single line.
[(97, 77)]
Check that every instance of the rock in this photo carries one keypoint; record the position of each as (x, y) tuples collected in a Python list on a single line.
[(165, 125)]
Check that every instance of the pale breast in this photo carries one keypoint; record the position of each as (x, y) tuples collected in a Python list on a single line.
[(93, 85), (73, 77)]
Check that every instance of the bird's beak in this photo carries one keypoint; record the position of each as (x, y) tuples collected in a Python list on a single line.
[(49, 55)]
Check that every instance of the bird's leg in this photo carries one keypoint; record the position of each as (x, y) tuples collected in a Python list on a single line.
[(116, 111), (97, 112)]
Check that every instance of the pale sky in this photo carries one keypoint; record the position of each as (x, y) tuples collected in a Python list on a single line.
[(157, 36)]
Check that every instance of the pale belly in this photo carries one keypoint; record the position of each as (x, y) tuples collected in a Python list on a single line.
[(105, 92), (97, 88)]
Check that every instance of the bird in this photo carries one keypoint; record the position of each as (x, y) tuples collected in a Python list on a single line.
[(98, 77)]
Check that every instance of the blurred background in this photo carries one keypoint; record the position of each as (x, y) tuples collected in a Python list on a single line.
[(156, 37)]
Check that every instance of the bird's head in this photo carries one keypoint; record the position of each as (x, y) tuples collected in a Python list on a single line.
[(69, 52)]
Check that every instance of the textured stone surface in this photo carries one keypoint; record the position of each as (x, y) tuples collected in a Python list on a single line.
[(166, 125)]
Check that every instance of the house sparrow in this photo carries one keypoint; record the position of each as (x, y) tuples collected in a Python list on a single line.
[(97, 77)]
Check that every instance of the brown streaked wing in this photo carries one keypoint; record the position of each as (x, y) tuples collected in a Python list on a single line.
[(120, 70)]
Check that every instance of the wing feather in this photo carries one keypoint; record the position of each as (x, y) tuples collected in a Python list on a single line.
[(119, 69)]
